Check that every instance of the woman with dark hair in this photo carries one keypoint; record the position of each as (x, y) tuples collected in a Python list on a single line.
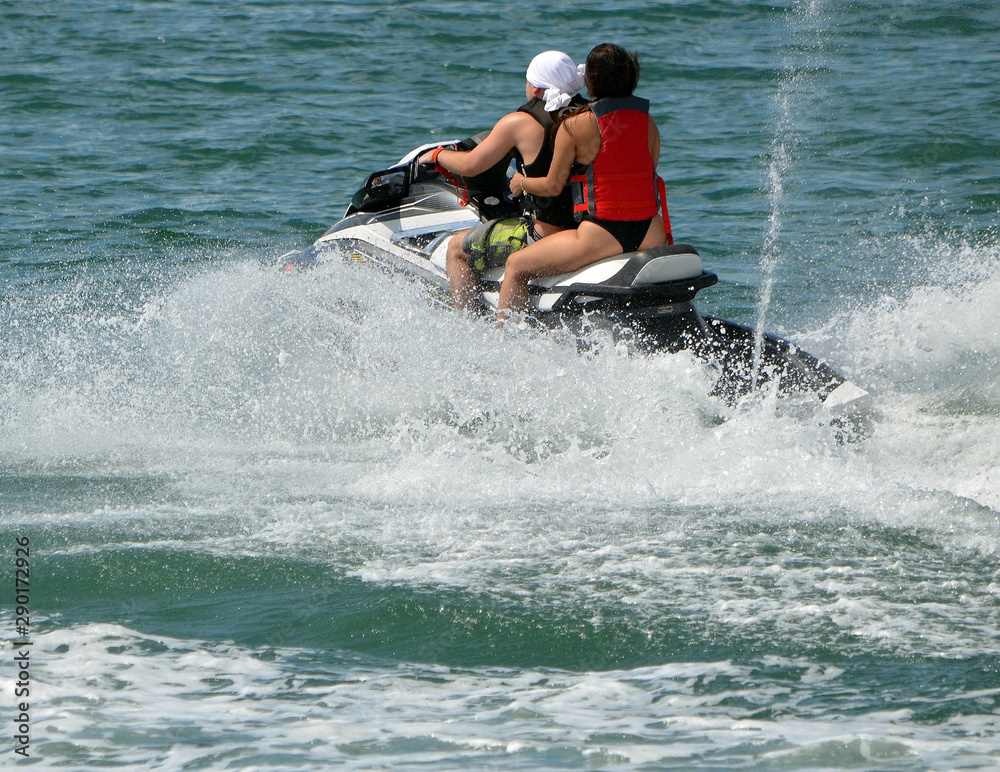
[(613, 146)]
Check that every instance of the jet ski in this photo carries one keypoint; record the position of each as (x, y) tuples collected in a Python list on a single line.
[(403, 217)]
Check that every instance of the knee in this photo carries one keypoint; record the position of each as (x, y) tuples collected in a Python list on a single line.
[(516, 267), (455, 248)]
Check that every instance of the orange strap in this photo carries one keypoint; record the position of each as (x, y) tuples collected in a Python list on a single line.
[(662, 190), (461, 187)]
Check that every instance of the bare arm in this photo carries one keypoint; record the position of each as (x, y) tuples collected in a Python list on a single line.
[(578, 139), (516, 130)]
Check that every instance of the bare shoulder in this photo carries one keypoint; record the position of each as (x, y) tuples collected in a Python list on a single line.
[(517, 128), (583, 121), (585, 134), (515, 121)]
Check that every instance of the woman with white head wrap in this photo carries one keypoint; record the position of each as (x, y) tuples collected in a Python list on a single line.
[(555, 72), (553, 81)]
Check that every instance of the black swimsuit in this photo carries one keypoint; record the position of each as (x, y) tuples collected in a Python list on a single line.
[(628, 233)]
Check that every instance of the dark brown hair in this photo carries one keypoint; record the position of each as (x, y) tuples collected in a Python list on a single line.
[(611, 71)]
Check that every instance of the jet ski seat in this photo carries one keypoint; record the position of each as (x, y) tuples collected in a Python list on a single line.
[(659, 264)]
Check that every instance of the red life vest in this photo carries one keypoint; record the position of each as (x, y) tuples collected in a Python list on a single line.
[(621, 183)]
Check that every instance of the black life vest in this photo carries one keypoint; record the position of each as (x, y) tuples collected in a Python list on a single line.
[(554, 210)]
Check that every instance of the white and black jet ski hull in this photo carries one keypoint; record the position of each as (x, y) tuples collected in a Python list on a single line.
[(403, 218)]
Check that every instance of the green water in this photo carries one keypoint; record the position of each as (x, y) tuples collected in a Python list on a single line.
[(318, 522)]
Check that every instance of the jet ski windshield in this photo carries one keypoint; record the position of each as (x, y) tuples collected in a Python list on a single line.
[(382, 189)]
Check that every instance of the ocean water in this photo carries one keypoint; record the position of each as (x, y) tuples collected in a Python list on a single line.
[(318, 522)]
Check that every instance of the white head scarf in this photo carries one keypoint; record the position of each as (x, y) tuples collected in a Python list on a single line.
[(556, 73)]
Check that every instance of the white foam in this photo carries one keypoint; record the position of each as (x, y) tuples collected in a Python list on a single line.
[(110, 693), (407, 444)]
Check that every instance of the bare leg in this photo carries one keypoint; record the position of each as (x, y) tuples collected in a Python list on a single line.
[(655, 236), (462, 280), (555, 254)]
